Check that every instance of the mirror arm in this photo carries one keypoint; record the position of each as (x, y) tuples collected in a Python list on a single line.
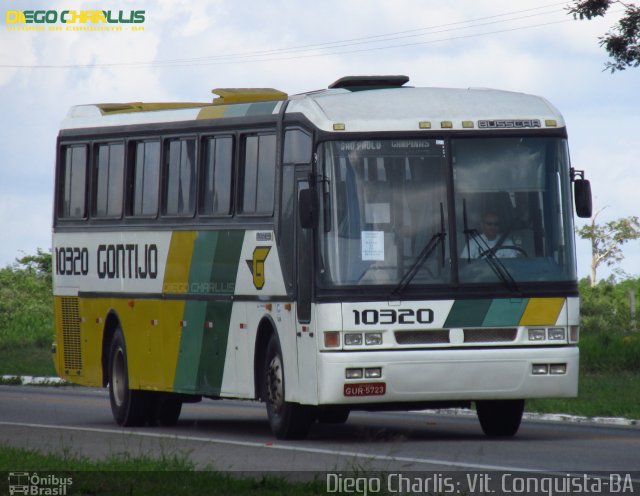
[(576, 174)]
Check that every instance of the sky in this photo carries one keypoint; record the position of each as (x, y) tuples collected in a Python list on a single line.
[(188, 47)]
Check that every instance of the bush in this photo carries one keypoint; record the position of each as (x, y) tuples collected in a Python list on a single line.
[(609, 352), (26, 302), (605, 307), (610, 340)]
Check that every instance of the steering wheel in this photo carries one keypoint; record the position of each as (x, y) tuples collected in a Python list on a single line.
[(521, 251)]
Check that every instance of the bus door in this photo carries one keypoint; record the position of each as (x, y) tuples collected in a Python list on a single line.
[(305, 329)]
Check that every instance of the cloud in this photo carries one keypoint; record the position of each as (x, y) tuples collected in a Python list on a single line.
[(26, 222), (15, 49)]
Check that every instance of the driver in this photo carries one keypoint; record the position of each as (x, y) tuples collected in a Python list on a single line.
[(489, 237)]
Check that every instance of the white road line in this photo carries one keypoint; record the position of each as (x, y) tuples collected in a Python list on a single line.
[(283, 447)]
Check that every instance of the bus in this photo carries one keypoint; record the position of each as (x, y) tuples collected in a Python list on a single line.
[(370, 246)]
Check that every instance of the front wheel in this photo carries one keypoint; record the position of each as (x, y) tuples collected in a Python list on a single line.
[(500, 418), (287, 420), (333, 414), (129, 407)]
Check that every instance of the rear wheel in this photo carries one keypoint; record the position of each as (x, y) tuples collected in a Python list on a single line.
[(165, 409), (287, 420), (500, 418), (129, 407)]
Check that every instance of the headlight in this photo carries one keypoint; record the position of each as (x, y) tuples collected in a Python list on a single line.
[(353, 374), (540, 369), (558, 368), (557, 334), (373, 338), (537, 334), (373, 373), (352, 339)]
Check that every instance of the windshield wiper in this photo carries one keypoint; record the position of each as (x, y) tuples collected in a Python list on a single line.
[(488, 253), (426, 252)]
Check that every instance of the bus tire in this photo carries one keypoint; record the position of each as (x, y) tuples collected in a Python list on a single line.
[(500, 418), (165, 410), (333, 414), (129, 407), (287, 420)]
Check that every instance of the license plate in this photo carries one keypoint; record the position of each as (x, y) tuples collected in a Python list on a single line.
[(368, 389)]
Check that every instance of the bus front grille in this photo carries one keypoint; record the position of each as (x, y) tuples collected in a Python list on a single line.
[(422, 337), (442, 336), (71, 335), (490, 335)]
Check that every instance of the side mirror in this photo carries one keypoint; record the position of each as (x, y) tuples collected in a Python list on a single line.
[(582, 197), (308, 208)]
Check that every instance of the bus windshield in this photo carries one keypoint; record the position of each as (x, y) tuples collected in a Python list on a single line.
[(387, 217)]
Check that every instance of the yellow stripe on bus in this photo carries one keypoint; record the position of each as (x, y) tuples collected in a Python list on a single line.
[(542, 311), (176, 275)]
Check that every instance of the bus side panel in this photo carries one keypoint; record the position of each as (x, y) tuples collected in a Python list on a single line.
[(202, 352), (76, 342), (145, 331), (208, 276), (92, 314)]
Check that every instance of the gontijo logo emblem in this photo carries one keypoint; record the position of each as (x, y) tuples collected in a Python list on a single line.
[(75, 17), (256, 265)]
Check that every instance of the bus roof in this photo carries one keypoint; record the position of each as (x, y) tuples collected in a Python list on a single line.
[(351, 104)]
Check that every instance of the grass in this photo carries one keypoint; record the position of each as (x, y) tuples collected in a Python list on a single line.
[(123, 474), (610, 352), (26, 360), (603, 394), (609, 372)]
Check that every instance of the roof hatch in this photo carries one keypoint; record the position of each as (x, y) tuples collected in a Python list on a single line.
[(359, 83)]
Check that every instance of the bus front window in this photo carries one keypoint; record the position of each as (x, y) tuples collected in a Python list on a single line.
[(384, 202), (512, 202)]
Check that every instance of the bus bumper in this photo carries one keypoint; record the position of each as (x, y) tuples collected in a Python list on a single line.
[(456, 374)]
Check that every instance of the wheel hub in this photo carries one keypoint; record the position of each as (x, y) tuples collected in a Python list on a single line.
[(275, 389), (118, 378)]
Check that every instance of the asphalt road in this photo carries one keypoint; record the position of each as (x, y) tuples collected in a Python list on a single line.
[(234, 436)]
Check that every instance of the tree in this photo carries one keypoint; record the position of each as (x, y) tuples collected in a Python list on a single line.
[(607, 240), (623, 41), (40, 262), (26, 302)]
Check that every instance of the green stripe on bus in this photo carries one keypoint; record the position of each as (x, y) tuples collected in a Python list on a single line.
[(505, 312), (203, 343), (225, 261), (467, 313), (262, 108), (186, 377), (223, 274), (214, 347)]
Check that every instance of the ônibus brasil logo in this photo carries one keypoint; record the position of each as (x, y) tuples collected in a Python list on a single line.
[(38, 485), (16, 17)]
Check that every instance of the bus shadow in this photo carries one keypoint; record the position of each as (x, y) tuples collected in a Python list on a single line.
[(352, 432), (391, 427)]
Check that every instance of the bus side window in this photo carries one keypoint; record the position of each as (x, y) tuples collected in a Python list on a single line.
[(180, 186), (143, 179), (109, 175), (73, 182), (258, 174), (218, 166), (297, 147)]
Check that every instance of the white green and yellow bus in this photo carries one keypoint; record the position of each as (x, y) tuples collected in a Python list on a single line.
[(322, 252)]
